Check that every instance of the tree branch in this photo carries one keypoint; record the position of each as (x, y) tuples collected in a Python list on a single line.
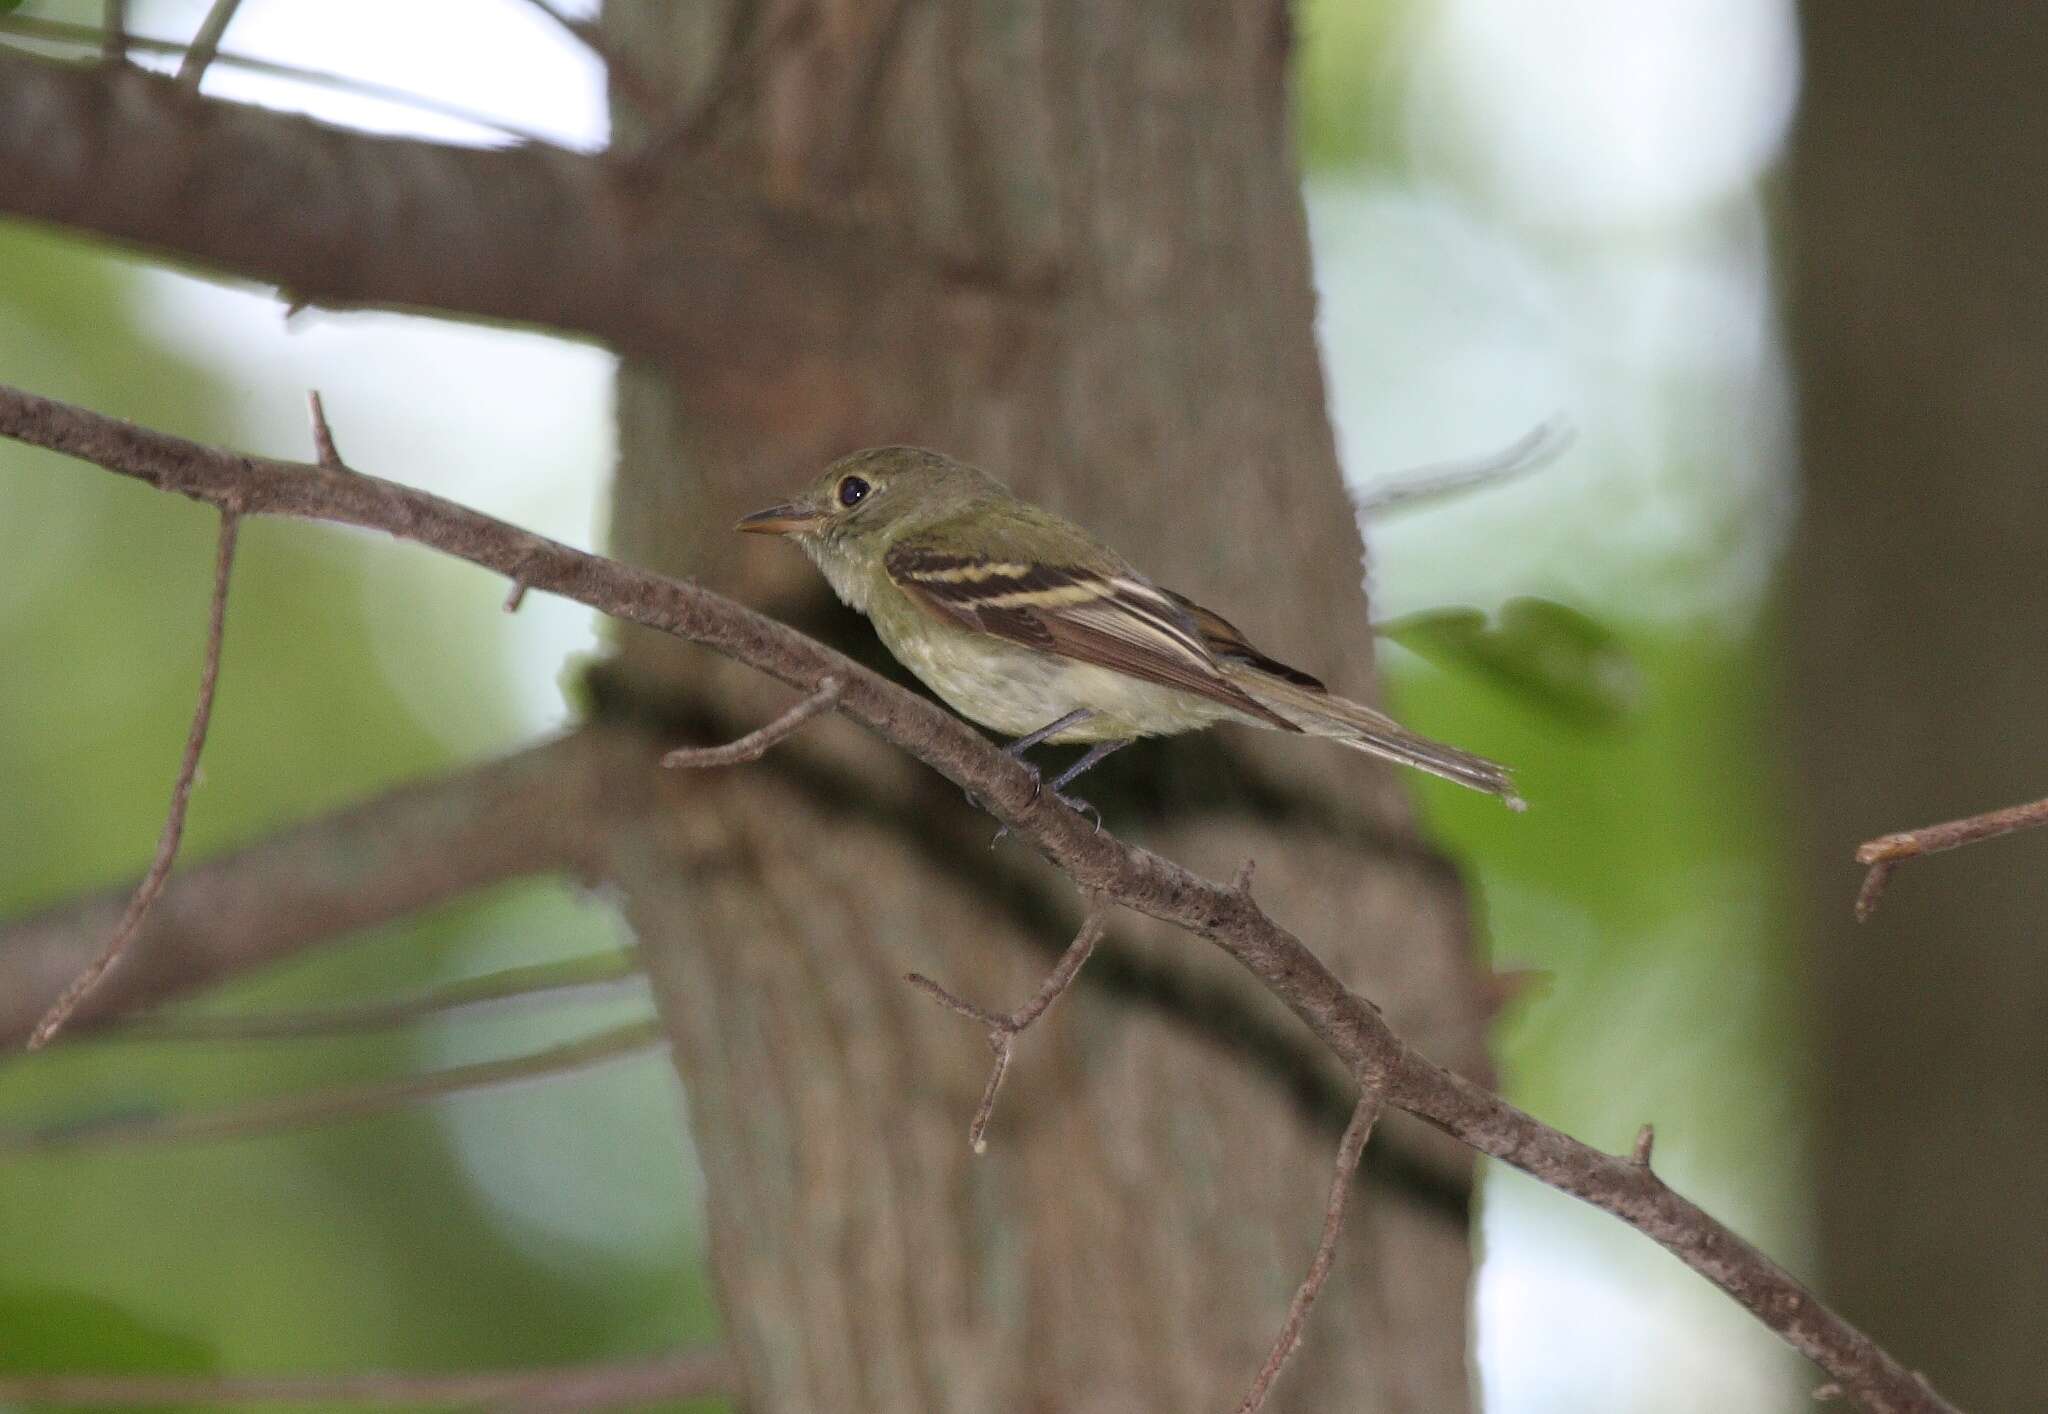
[(575, 977), (114, 43), (1005, 1027), (1350, 1149), (423, 843), (1887, 852), (1099, 863), (206, 43), (691, 271), (684, 1375), (152, 884), (338, 1102), (756, 744)]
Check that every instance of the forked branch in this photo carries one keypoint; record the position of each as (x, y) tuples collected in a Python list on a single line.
[(1103, 866), (1887, 852), (1005, 1027), (756, 744)]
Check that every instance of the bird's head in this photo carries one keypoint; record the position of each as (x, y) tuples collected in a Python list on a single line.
[(871, 497)]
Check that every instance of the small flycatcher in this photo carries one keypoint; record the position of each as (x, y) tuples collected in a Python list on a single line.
[(1027, 624)]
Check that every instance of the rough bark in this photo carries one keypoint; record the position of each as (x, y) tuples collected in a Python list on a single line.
[(1917, 609), (1126, 175)]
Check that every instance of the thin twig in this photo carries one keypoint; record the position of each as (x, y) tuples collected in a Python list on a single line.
[(110, 39), (1885, 853), (577, 978), (181, 796), (1349, 1150), (424, 841), (625, 75), (1005, 1027), (206, 43), (1109, 869), (688, 1374), (1537, 447), (114, 32), (286, 1112), (756, 744)]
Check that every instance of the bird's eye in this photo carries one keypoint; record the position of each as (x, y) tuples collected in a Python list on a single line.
[(852, 491)]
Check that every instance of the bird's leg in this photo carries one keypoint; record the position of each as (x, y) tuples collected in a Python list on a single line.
[(1051, 729), (1086, 763), (1065, 778), (1024, 743)]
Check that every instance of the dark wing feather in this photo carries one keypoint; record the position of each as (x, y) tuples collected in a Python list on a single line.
[(1225, 640), (1116, 621)]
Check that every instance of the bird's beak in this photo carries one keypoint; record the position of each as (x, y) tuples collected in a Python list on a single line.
[(787, 519)]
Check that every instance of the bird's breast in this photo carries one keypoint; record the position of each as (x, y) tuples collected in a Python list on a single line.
[(1013, 690)]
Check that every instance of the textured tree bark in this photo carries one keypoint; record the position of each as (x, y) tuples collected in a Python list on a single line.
[(1120, 179), (1918, 606)]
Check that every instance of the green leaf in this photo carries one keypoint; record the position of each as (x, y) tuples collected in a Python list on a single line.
[(55, 1331), (1546, 653)]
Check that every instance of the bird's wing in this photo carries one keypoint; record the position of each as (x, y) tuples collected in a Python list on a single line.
[(1095, 611), (1224, 640)]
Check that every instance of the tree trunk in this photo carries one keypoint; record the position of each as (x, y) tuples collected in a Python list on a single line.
[(1918, 608), (1110, 193)]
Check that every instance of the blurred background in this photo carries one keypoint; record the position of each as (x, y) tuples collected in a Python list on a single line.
[(1519, 212)]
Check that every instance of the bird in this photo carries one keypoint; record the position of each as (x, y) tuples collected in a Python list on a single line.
[(1023, 622)]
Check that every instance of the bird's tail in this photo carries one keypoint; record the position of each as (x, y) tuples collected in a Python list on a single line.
[(1353, 724)]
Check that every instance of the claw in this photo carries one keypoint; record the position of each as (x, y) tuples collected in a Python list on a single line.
[(1082, 807), (1037, 785), (1072, 802)]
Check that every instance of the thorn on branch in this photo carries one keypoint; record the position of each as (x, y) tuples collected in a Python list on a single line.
[(516, 597), (206, 43), (328, 455), (1646, 1140), (1349, 1149), (181, 796), (756, 744), (1004, 1028), (1500, 990), (1241, 882), (1884, 854), (1827, 1392)]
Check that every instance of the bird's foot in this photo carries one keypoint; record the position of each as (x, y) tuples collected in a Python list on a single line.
[(1072, 802), (1037, 787)]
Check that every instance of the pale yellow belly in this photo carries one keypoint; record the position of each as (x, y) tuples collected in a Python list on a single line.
[(1015, 690)]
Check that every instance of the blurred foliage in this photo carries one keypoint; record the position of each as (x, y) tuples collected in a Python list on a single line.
[(1347, 108), (359, 1245), (1549, 654)]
